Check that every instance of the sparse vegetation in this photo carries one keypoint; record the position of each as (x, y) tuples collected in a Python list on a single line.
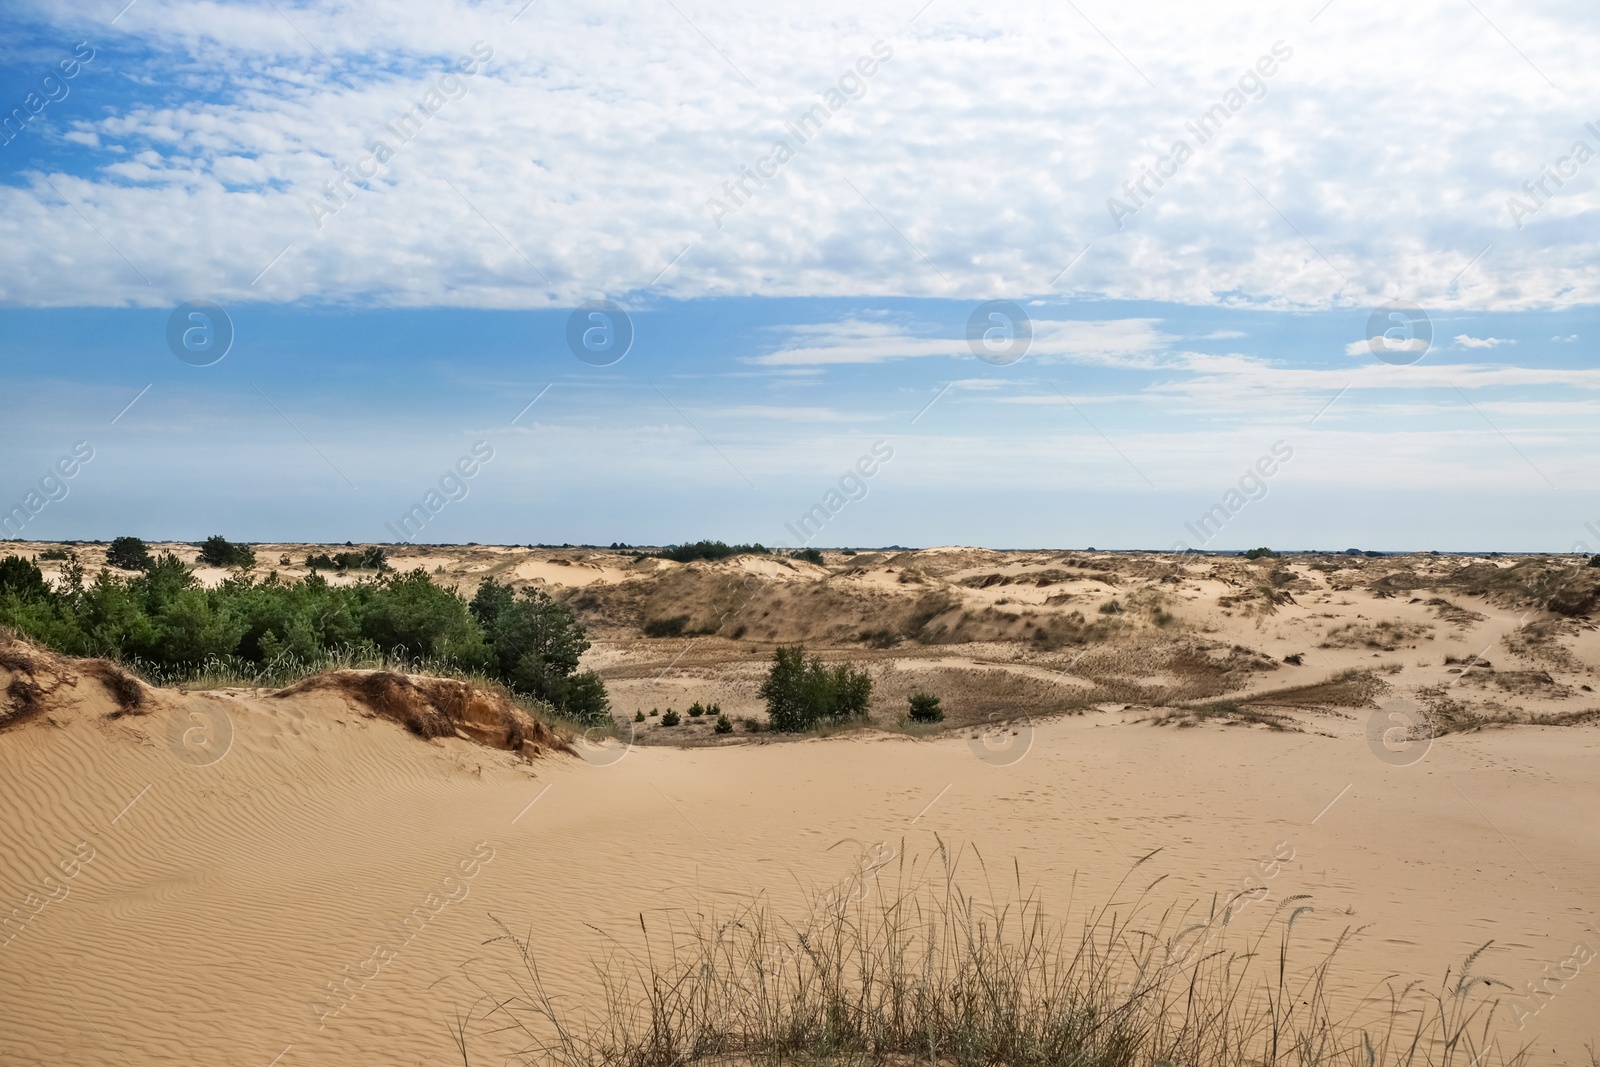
[(921, 971), (803, 694), (724, 726), (925, 708), (708, 550), (162, 622), (371, 559), (672, 627)]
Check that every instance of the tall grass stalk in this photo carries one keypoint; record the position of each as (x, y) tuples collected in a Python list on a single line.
[(927, 972)]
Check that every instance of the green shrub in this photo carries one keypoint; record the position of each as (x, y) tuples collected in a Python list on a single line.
[(803, 694), (695, 710), (1262, 553), (638, 716), (723, 725), (218, 551), (810, 555), (536, 643), (128, 554), (55, 554), (672, 627), (583, 697), (925, 708), (164, 621), (670, 718), (22, 578), (1111, 607), (371, 559), (708, 550)]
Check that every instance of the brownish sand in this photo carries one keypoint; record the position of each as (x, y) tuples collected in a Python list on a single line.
[(210, 906), (168, 908)]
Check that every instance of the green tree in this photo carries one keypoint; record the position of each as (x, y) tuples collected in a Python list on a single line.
[(218, 551), (536, 644), (23, 578), (129, 554), (925, 708), (802, 694)]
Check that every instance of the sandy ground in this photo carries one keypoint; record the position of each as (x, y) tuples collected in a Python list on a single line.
[(159, 906), (198, 908)]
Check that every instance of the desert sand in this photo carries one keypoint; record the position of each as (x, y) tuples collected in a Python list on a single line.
[(208, 877)]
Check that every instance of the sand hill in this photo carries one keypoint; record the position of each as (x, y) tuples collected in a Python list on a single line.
[(319, 875)]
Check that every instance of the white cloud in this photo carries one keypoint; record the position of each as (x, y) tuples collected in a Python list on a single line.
[(977, 164), (1565, 340), (1466, 341), (1112, 342), (1392, 345)]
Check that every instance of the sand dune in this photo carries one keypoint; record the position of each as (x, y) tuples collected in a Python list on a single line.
[(320, 890)]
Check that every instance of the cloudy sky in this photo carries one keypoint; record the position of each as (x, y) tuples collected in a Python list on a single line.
[(1350, 242)]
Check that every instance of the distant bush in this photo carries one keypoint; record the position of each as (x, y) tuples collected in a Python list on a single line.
[(218, 551), (700, 550), (672, 627), (810, 555), (723, 725), (1111, 607), (670, 718), (925, 708), (883, 637), (695, 710), (802, 694), (61, 553), (1594, 561), (371, 559), (638, 716), (128, 554), (1262, 553)]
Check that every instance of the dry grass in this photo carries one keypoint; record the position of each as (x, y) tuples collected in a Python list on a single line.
[(36, 673), (1385, 636), (439, 707), (931, 973)]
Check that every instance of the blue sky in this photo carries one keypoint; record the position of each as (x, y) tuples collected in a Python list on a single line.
[(1182, 331)]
